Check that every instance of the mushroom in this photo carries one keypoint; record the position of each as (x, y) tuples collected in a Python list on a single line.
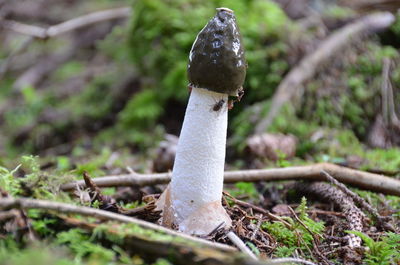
[(216, 70)]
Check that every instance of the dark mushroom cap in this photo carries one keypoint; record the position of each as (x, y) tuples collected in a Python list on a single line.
[(217, 61)]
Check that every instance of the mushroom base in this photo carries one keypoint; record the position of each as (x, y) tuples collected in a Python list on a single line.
[(201, 222)]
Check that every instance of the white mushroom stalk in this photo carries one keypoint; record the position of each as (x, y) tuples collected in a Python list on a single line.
[(197, 178), (216, 70)]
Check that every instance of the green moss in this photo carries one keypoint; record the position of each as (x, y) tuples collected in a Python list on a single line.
[(247, 189), (36, 255), (381, 252), (386, 159), (297, 236), (94, 102), (16, 119), (35, 183), (338, 12), (353, 101), (81, 244), (68, 69), (141, 111), (124, 230), (93, 165)]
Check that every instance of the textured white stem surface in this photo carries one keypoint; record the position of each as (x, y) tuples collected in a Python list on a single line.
[(198, 172)]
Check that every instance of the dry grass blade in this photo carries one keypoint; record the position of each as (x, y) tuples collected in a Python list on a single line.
[(291, 260)]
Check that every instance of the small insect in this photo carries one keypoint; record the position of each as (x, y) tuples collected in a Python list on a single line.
[(218, 105)]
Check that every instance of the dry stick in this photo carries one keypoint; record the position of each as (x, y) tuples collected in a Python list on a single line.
[(258, 209), (22, 203), (291, 260), (255, 231), (310, 63), (331, 194), (69, 25), (7, 215), (302, 223), (360, 179), (358, 200), (317, 211), (315, 238), (241, 245)]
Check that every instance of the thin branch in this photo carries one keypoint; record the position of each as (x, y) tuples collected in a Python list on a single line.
[(67, 26), (329, 193), (357, 199), (290, 260), (302, 223), (360, 179), (310, 63), (7, 215), (241, 245), (360, 201), (258, 225), (315, 237), (258, 209), (45, 66), (22, 203)]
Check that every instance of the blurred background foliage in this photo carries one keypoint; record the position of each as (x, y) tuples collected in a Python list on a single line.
[(121, 85)]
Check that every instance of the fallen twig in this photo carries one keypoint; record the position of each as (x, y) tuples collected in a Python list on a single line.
[(310, 63), (7, 215), (22, 203), (69, 25), (290, 260), (241, 245), (315, 237), (360, 179), (258, 209), (329, 193), (34, 75), (106, 203), (255, 231), (177, 250), (360, 201), (318, 211), (357, 199)]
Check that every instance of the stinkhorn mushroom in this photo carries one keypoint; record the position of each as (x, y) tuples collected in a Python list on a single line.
[(216, 70)]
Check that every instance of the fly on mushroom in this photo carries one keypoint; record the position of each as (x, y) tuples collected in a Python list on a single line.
[(218, 105)]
